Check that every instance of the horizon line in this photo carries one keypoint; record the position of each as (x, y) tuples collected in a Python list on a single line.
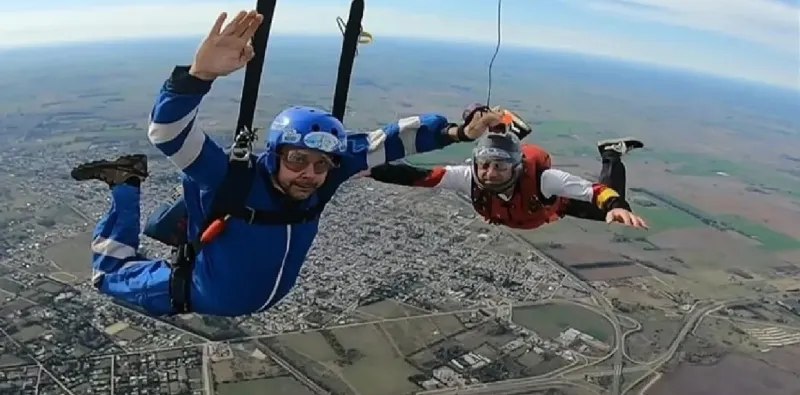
[(527, 48)]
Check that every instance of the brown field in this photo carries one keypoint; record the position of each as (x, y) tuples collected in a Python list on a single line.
[(391, 309), (718, 249), (735, 374), (382, 348), (612, 273), (726, 195), (576, 254), (790, 257), (582, 257), (648, 291), (73, 255), (415, 334)]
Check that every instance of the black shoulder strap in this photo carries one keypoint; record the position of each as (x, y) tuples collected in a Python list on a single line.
[(235, 188)]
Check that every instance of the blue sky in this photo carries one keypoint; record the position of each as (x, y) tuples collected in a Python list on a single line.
[(757, 40)]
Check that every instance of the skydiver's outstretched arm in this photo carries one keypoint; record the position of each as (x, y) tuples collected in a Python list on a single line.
[(409, 136), (455, 178), (174, 132), (558, 183), (612, 174)]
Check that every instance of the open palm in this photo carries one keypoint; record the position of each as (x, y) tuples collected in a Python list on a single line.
[(227, 50)]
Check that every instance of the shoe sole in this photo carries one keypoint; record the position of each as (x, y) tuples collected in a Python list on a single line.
[(90, 171), (623, 139)]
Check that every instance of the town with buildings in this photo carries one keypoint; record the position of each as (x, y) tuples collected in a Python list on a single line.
[(60, 334)]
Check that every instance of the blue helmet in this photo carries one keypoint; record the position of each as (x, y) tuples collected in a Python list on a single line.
[(305, 127)]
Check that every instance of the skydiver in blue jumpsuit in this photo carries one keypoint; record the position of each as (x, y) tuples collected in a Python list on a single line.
[(249, 268)]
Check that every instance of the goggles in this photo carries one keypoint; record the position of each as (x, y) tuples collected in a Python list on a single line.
[(298, 161)]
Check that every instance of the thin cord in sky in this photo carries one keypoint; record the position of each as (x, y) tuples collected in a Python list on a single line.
[(496, 50)]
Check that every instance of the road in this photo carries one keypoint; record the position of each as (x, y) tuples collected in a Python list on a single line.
[(41, 366), (688, 327), (605, 304), (576, 378), (299, 375)]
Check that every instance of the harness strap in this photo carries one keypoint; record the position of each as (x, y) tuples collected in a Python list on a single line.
[(352, 32), (239, 165), (254, 69), (264, 217), (180, 280)]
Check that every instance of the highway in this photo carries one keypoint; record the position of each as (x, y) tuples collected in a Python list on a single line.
[(617, 354), (688, 327), (604, 303), (574, 377)]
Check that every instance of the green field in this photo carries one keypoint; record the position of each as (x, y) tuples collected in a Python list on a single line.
[(671, 213), (770, 240), (551, 319), (661, 218), (380, 367), (559, 138), (706, 166)]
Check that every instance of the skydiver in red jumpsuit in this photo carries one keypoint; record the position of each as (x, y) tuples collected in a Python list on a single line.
[(513, 184)]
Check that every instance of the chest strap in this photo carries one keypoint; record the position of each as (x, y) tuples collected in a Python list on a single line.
[(263, 217)]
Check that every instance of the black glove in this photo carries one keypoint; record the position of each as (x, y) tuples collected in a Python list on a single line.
[(617, 202)]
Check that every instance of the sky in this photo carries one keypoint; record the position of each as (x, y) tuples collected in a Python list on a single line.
[(755, 40)]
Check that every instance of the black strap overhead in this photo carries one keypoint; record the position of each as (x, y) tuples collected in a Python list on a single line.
[(349, 46), (252, 76)]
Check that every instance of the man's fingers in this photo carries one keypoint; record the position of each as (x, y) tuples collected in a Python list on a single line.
[(215, 30), (230, 29), (248, 53), (628, 219), (255, 22), (490, 119), (244, 24)]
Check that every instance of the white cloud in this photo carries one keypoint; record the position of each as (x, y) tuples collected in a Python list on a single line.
[(147, 21), (767, 22)]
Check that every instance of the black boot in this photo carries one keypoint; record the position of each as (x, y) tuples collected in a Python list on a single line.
[(621, 145), (130, 169)]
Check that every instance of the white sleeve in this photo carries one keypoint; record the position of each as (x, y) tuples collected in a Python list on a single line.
[(457, 178), (560, 183)]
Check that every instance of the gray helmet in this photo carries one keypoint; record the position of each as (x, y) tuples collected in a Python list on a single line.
[(504, 147)]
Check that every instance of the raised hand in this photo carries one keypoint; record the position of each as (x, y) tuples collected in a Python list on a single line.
[(228, 49)]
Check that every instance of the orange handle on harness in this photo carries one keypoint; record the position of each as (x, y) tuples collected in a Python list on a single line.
[(505, 123), (214, 230), (507, 119)]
